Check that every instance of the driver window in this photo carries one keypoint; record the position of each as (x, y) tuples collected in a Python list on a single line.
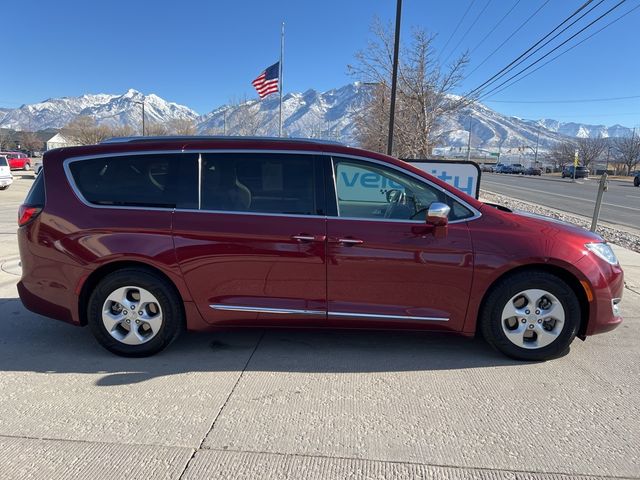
[(367, 190)]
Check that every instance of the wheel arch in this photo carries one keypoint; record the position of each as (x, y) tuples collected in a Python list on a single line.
[(565, 275), (99, 273)]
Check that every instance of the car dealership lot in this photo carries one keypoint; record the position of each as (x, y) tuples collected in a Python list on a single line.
[(309, 404)]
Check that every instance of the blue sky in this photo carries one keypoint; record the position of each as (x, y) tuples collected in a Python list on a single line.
[(204, 53)]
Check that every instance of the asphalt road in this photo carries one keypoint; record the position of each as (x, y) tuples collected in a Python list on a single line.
[(620, 206), (280, 404)]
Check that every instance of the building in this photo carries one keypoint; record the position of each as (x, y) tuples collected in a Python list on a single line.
[(59, 141)]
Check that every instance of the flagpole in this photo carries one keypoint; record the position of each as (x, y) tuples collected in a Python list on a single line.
[(281, 79)]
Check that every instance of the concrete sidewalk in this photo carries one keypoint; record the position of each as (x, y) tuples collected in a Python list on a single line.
[(630, 262)]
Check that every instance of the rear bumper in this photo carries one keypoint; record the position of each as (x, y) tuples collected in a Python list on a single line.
[(4, 181)]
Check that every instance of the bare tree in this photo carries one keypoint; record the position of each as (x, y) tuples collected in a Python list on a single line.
[(182, 126), (244, 118), (122, 131), (156, 129), (424, 100), (627, 151), (6, 141), (591, 149), (84, 130), (563, 153), (31, 142)]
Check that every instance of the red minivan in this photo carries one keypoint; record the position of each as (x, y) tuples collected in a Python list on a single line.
[(142, 237)]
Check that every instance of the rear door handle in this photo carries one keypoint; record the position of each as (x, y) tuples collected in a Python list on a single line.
[(303, 238), (348, 242)]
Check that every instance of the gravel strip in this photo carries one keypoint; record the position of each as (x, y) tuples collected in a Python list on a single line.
[(610, 233)]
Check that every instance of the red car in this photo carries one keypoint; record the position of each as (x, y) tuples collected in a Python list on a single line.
[(140, 238), (17, 160)]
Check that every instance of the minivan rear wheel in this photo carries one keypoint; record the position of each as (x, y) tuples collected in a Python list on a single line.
[(134, 313), (531, 316)]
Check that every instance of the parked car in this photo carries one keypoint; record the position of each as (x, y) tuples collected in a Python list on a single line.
[(533, 171), (17, 160), (636, 179), (581, 172), (517, 168), (503, 169), (6, 179), (37, 166), (142, 237), (487, 168)]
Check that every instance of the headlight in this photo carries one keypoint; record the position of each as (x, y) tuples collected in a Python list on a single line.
[(604, 251)]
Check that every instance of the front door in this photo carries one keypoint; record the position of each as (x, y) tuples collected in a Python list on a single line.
[(385, 265), (252, 245)]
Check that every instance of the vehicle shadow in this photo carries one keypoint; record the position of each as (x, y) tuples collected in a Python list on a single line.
[(37, 344)]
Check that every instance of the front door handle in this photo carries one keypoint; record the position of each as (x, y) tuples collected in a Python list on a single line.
[(349, 242)]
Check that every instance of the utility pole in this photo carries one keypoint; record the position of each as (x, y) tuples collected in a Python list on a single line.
[(394, 76), (469, 141), (535, 158), (141, 103)]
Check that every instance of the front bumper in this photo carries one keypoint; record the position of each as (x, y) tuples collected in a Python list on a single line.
[(604, 291)]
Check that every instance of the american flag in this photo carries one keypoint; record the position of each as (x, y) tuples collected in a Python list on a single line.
[(267, 81)]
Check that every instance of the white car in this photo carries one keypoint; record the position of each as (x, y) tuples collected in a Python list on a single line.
[(6, 178), (37, 166)]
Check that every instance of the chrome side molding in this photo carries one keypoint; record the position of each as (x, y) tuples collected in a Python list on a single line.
[(286, 311), (293, 311)]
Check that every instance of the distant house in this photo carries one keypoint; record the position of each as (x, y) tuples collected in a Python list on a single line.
[(59, 141)]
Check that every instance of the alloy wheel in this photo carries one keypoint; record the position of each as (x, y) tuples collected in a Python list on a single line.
[(533, 319), (132, 315)]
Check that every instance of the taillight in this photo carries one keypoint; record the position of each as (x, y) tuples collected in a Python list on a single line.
[(26, 213)]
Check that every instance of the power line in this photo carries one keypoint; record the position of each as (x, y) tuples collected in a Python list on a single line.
[(509, 37), (538, 49), (566, 51), (457, 26), (495, 26), (493, 90), (501, 72), (584, 100), (468, 30)]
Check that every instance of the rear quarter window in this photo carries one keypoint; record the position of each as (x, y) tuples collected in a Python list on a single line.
[(128, 180), (3, 162), (36, 195)]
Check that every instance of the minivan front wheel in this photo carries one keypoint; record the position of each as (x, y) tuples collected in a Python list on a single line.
[(531, 316), (134, 313)]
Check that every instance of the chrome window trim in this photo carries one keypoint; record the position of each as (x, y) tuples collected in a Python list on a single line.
[(329, 154), (240, 308), (240, 212), (387, 317)]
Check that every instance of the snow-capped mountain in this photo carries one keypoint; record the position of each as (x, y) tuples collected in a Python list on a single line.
[(329, 115), (104, 108), (571, 129)]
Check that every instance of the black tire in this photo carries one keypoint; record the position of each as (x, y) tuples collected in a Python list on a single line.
[(636, 181), (4, 188), (164, 292), (504, 290)]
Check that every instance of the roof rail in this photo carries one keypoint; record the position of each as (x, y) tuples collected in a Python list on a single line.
[(186, 138)]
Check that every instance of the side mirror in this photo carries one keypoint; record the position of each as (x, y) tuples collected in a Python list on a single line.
[(438, 214)]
